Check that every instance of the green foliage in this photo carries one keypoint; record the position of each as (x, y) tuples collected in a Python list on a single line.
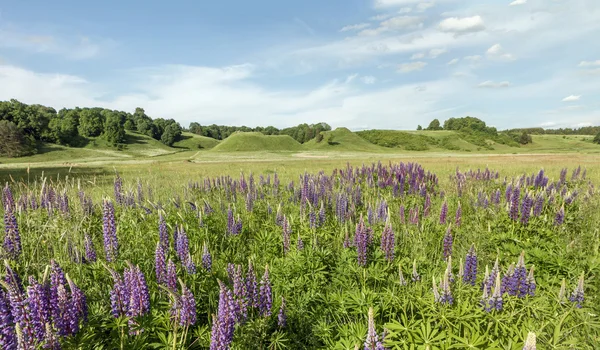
[(301, 133), (171, 134), (255, 141), (91, 122), (64, 128), (597, 138), (435, 125), (398, 139), (419, 127), (14, 142), (114, 132), (469, 124)]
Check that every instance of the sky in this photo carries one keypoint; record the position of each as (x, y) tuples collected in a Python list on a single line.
[(362, 64)]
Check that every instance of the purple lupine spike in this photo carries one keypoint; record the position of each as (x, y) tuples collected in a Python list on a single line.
[(12, 237), (278, 216), (240, 294), (299, 243), (286, 233), (163, 234), (427, 206), (448, 270), (37, 298), (538, 206), (530, 282), (372, 341), (58, 299), (238, 226), (312, 218), (184, 308), (230, 222), (224, 322), (559, 219), (118, 185), (360, 241), (519, 278), (282, 317), (8, 337), (485, 298), (322, 215), (139, 296), (446, 293), (265, 295), (470, 269), (415, 275), (496, 301), (578, 296), (402, 214), (458, 216), (251, 286), (78, 308), (160, 263), (443, 213), (90, 252), (206, 258), (447, 243), (490, 279), (388, 241), (20, 312), (7, 197), (508, 280), (109, 231), (171, 276), (526, 209)]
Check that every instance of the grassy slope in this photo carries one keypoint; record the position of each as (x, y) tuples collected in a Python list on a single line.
[(195, 142), (257, 142), (343, 140)]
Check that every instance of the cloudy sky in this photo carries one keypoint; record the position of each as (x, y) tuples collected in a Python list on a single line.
[(356, 63)]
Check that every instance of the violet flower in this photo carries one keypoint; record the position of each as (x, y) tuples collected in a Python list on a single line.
[(372, 342), (470, 269), (206, 258), (447, 244), (388, 241), (109, 230), (282, 317), (265, 295), (12, 237)]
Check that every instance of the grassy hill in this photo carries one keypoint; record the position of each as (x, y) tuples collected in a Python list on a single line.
[(343, 140), (257, 142), (194, 142)]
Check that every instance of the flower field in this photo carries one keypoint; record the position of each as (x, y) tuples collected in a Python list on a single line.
[(374, 256)]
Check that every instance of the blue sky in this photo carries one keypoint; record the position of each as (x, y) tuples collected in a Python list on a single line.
[(355, 63)]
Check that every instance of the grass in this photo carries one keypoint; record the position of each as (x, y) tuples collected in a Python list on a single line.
[(257, 142), (342, 140), (195, 142)]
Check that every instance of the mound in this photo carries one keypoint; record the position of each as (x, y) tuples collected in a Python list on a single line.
[(399, 139), (342, 139), (257, 142), (193, 142)]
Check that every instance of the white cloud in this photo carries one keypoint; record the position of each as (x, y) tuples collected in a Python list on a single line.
[(493, 85), (382, 16), (411, 67), (571, 98), (402, 22), (434, 53), (589, 63), (424, 6), (453, 61), (473, 58), (417, 56), (369, 79), (351, 27), (518, 2), (394, 3), (497, 52), (462, 25)]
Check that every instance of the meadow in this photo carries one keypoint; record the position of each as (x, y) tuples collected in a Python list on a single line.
[(294, 250)]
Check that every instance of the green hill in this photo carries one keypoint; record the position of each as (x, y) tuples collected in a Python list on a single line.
[(257, 142), (342, 139), (194, 142)]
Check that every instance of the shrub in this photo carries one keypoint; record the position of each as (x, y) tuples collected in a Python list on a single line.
[(14, 142)]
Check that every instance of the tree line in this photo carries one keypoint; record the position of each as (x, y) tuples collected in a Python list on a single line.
[(301, 133), (23, 127)]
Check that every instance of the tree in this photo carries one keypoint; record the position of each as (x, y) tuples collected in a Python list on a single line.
[(171, 135), (14, 142), (114, 132), (319, 137), (195, 128), (525, 138), (91, 122), (419, 127), (434, 125), (64, 127), (597, 138)]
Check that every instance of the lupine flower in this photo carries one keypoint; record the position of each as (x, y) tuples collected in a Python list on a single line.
[(20, 312), (507, 280), (299, 243), (230, 222), (119, 296), (449, 270), (252, 287), (118, 184), (206, 258), (530, 282), (184, 307), (171, 276), (538, 206), (446, 294), (403, 281), (470, 270), (458, 216), (139, 297), (514, 203), (402, 213), (347, 243), (560, 216), (577, 296), (241, 294), (12, 237), (286, 233), (282, 317), (90, 252), (8, 337), (163, 234), (496, 301), (160, 263), (224, 323), (322, 215), (530, 342), (518, 285), (265, 295), (78, 306), (388, 240), (109, 230), (562, 293), (443, 213), (372, 342), (447, 243), (415, 275), (312, 218), (526, 209), (360, 241), (485, 299), (37, 298)]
